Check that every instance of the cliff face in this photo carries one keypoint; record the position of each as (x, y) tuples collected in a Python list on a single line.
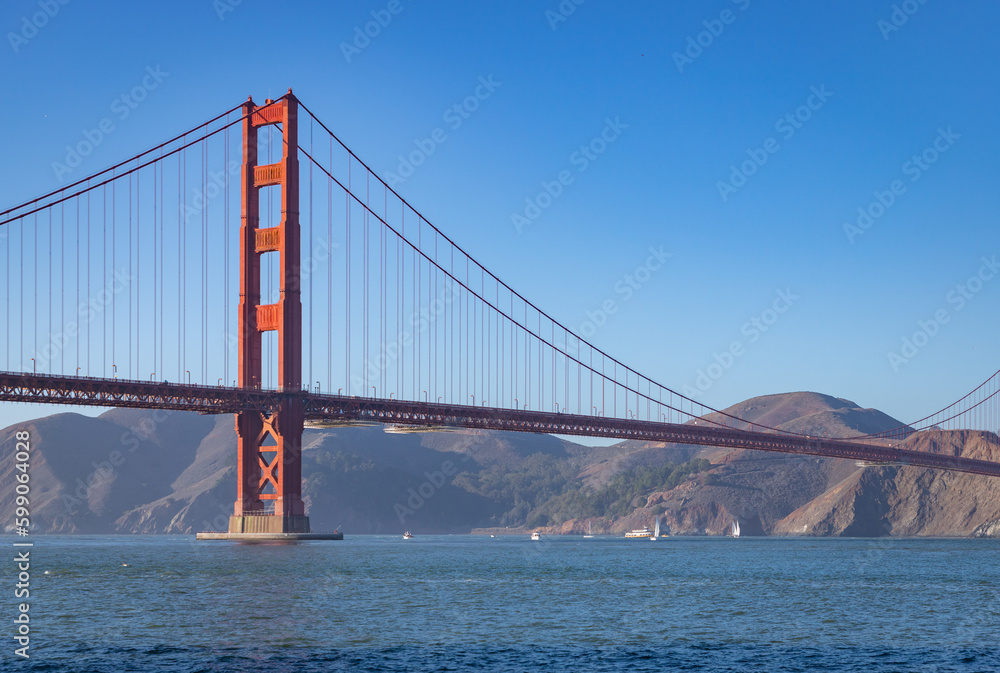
[(132, 471), (906, 501), (776, 494)]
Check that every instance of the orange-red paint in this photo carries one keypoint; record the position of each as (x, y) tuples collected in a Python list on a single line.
[(270, 444)]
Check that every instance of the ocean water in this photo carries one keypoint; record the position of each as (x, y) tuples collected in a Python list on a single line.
[(472, 603)]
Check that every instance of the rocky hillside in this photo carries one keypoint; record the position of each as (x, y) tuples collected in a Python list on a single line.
[(132, 471), (778, 494), (899, 500)]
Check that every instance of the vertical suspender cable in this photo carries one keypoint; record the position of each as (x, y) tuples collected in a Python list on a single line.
[(50, 327), (76, 271), (131, 275), (204, 261), (309, 266), (347, 276), (329, 272), (138, 268), (89, 300), (225, 255), (156, 269), (384, 294), (34, 253)]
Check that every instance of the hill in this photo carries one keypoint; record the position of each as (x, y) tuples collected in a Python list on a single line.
[(135, 471)]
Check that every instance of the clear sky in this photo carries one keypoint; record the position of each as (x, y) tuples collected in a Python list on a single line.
[(739, 138)]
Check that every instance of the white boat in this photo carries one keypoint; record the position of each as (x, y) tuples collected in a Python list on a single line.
[(407, 535), (536, 536), (590, 531), (639, 533), (656, 530), (734, 530)]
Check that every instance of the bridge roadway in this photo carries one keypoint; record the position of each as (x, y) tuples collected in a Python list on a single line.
[(103, 392)]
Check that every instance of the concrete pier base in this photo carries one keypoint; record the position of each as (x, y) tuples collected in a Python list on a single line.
[(269, 537), (269, 528), (268, 523)]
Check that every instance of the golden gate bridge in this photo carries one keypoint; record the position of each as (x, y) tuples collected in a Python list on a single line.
[(314, 292)]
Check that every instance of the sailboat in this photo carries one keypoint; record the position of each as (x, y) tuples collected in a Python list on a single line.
[(734, 531), (656, 529), (590, 531)]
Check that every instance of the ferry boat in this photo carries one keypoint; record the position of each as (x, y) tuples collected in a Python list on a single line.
[(639, 534)]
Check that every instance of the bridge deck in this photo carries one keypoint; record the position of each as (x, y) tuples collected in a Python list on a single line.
[(102, 392)]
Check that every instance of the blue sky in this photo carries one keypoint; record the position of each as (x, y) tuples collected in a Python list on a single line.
[(692, 92)]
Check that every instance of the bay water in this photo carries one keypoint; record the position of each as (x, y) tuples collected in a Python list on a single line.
[(464, 603)]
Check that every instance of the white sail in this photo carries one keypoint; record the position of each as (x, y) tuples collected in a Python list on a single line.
[(737, 528), (656, 530)]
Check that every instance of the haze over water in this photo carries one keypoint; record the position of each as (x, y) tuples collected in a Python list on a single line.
[(464, 603)]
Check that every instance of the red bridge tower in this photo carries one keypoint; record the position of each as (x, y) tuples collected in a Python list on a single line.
[(268, 497)]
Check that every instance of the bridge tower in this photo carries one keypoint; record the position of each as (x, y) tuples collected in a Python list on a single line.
[(268, 498)]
